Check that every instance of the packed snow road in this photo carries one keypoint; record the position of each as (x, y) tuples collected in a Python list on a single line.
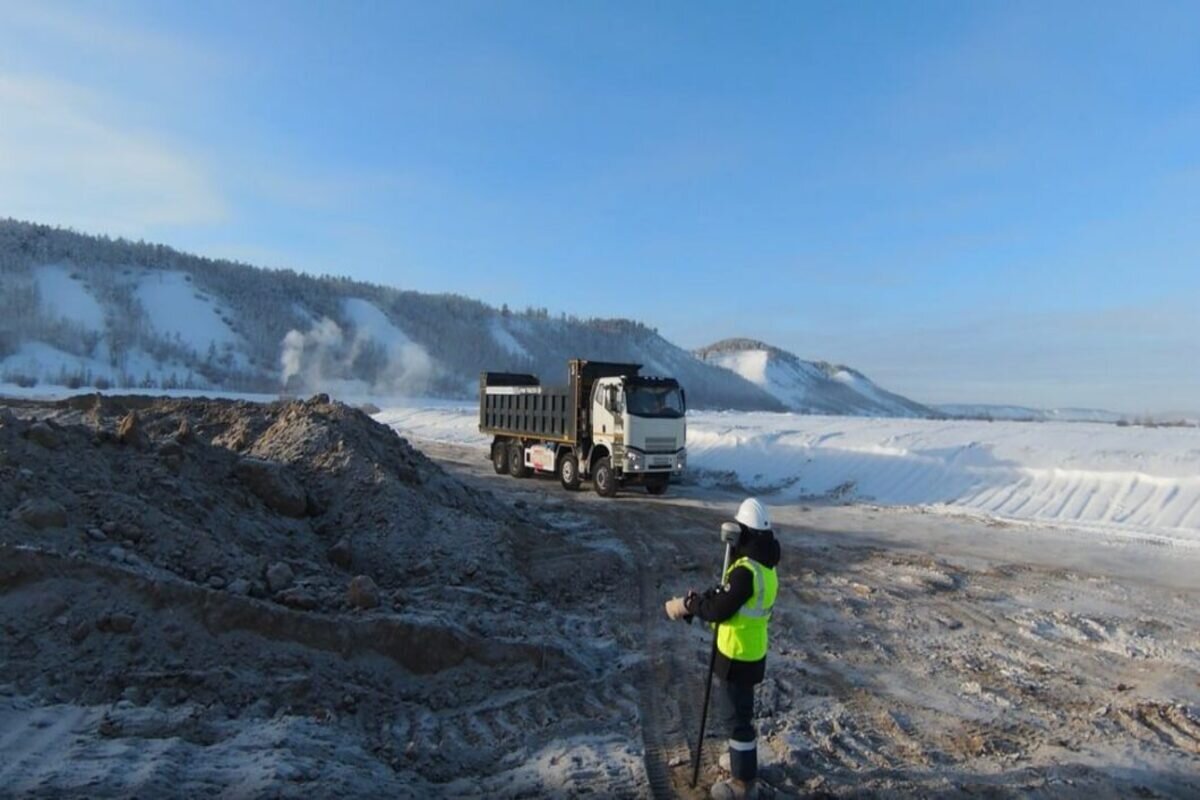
[(911, 652)]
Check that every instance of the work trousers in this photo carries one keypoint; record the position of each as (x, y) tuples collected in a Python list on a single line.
[(738, 714)]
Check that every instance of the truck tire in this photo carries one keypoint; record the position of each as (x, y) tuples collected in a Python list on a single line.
[(568, 472), (657, 487), (500, 457), (604, 481), (516, 461)]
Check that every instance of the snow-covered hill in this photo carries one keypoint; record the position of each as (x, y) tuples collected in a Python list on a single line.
[(809, 387), (82, 311)]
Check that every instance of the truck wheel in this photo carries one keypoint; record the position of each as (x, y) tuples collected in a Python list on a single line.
[(568, 472), (516, 461), (657, 487), (500, 457), (603, 479)]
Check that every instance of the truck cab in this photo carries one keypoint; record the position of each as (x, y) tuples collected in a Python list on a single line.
[(639, 424)]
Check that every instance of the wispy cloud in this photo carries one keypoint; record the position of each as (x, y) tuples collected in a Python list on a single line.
[(101, 34), (64, 160)]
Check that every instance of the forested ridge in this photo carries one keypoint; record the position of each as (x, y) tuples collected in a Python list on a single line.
[(451, 338)]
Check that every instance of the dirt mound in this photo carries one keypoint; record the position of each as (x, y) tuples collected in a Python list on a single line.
[(219, 492), (227, 562)]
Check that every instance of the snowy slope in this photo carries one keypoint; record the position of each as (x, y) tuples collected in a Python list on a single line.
[(178, 310), (366, 318), (65, 297), (809, 387), (1121, 482)]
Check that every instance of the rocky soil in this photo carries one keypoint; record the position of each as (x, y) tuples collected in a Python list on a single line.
[(231, 599)]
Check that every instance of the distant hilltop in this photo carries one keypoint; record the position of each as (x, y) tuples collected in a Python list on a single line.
[(809, 387)]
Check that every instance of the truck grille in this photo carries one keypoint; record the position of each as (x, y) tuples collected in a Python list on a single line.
[(660, 444)]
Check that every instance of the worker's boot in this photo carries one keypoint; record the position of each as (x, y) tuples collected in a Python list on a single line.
[(733, 789)]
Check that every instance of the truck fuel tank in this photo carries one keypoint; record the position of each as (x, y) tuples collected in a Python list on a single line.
[(541, 457)]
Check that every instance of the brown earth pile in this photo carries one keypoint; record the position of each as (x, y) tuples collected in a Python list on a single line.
[(197, 562)]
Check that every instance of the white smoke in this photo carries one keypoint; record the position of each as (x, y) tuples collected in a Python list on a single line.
[(325, 359), (305, 354), (409, 370)]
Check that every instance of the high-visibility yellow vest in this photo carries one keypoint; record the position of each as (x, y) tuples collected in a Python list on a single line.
[(743, 637)]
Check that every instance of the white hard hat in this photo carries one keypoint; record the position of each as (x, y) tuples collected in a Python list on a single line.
[(753, 514)]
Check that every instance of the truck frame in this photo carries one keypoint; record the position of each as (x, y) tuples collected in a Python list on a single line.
[(609, 424)]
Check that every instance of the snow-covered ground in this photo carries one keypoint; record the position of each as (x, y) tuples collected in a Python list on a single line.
[(1122, 482)]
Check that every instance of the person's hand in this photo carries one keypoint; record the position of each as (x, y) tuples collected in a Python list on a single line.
[(676, 609), (692, 602)]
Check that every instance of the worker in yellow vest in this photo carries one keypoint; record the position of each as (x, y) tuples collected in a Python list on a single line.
[(741, 609)]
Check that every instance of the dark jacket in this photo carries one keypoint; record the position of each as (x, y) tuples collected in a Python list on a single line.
[(722, 602)]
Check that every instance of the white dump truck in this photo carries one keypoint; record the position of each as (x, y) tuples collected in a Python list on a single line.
[(608, 424)]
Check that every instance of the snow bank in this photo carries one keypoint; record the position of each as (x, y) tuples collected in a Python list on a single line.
[(1122, 479), (1143, 483)]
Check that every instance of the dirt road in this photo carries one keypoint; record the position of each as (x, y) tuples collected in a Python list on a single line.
[(913, 653)]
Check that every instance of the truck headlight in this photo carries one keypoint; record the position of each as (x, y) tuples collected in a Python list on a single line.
[(681, 459), (633, 460)]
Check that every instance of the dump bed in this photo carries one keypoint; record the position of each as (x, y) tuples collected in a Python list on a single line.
[(515, 404)]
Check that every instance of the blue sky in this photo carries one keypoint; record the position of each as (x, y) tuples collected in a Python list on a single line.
[(988, 202)]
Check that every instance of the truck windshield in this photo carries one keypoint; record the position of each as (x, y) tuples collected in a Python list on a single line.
[(654, 401)]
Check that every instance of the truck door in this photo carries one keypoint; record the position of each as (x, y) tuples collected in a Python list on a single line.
[(604, 421)]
